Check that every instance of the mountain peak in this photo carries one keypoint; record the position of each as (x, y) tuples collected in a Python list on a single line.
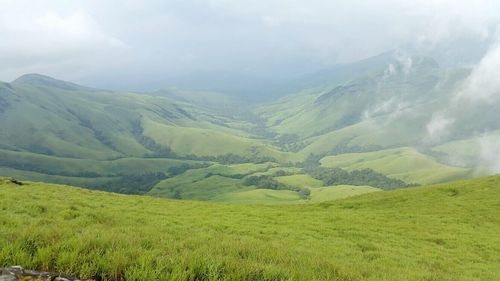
[(36, 79)]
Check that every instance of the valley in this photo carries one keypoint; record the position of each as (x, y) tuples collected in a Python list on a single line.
[(205, 145)]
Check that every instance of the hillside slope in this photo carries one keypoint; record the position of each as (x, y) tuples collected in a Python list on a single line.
[(57, 131), (444, 232), (353, 116), (43, 115)]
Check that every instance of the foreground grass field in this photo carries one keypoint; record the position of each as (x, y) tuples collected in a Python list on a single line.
[(444, 232)]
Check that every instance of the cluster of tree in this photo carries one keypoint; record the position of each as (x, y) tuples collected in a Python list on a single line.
[(289, 142), (313, 159), (338, 176), (264, 181), (35, 148), (157, 149), (268, 182), (281, 173), (344, 148), (3, 103), (132, 184), (98, 134), (230, 158), (179, 169), (36, 167)]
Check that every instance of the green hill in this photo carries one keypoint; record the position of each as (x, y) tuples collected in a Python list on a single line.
[(443, 232), (405, 163), (47, 116), (60, 132), (373, 114)]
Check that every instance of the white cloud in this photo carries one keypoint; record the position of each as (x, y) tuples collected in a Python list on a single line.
[(483, 85), (489, 154), (266, 37), (43, 39), (438, 127)]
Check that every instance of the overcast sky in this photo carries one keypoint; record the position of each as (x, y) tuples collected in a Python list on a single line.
[(143, 45)]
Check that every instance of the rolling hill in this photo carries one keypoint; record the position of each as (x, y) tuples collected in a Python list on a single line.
[(442, 232), (382, 113)]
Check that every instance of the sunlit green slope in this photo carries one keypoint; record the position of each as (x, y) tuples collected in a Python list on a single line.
[(403, 163), (444, 232), (369, 114), (47, 116)]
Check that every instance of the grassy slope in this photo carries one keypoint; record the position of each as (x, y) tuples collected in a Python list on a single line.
[(300, 180), (472, 151), (74, 167), (48, 116), (207, 183), (406, 164), (328, 193), (205, 142), (275, 197), (222, 183), (260, 196), (445, 232)]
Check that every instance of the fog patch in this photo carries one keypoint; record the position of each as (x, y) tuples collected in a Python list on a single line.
[(490, 154), (483, 84), (438, 127)]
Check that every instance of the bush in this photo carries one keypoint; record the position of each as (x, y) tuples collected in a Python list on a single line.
[(338, 176)]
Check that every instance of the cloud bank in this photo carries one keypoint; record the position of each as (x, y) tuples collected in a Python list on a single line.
[(149, 44)]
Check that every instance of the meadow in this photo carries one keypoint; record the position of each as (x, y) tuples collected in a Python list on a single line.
[(442, 232)]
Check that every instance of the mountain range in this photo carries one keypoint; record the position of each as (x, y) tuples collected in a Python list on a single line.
[(398, 120)]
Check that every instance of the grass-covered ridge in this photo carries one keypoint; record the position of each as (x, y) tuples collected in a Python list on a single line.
[(444, 232), (59, 132)]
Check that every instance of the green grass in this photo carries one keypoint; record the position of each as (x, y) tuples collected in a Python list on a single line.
[(300, 180), (328, 193), (205, 142), (207, 183), (406, 164), (260, 196), (73, 167), (276, 197), (470, 151), (444, 232), (34, 176), (223, 183), (50, 117), (59, 132)]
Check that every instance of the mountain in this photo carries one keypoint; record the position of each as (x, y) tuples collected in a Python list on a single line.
[(410, 102), (443, 232), (52, 117), (396, 121), (61, 132)]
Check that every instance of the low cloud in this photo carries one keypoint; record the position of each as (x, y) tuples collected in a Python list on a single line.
[(438, 128), (489, 154), (60, 43), (478, 93), (149, 43), (483, 85)]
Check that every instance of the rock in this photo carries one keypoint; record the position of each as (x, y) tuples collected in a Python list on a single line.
[(8, 278), (14, 181), (16, 273)]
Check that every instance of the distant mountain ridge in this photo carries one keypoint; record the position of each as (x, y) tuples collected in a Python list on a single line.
[(386, 104)]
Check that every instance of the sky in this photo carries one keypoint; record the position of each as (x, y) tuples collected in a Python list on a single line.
[(145, 45)]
